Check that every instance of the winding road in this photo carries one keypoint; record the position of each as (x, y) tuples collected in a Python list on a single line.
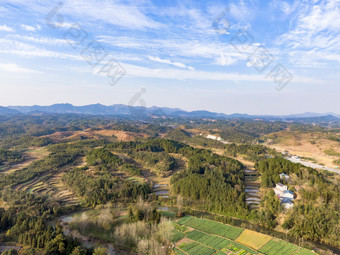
[(313, 165)]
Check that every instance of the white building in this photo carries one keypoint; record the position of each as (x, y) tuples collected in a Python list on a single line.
[(286, 196), (214, 137), (284, 176), (280, 189), (287, 203)]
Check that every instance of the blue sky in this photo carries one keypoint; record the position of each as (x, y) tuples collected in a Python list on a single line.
[(193, 55)]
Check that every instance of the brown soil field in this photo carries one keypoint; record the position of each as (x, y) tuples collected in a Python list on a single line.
[(121, 135), (308, 145)]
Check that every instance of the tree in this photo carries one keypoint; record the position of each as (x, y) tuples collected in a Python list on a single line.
[(10, 252), (100, 251), (130, 213), (78, 251)]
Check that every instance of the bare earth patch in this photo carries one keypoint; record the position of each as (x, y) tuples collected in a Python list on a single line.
[(308, 145)]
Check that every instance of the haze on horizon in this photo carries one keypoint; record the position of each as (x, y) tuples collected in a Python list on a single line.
[(180, 54)]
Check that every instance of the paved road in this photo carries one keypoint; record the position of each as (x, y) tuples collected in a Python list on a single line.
[(313, 165)]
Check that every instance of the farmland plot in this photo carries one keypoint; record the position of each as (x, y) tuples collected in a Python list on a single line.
[(278, 247), (212, 227), (253, 239)]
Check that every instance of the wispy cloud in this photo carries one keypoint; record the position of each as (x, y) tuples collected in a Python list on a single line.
[(30, 28), (40, 39), (201, 75), (19, 48), (315, 34), (14, 68), (118, 13), (169, 62), (6, 28)]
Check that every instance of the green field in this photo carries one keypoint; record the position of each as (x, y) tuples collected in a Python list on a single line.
[(211, 237), (176, 235), (278, 247), (211, 227), (303, 251), (214, 242), (194, 248), (179, 252)]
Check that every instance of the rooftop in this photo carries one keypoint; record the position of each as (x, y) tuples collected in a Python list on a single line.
[(288, 191), (286, 201), (280, 185)]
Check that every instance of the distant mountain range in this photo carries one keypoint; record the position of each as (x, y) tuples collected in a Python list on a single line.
[(125, 110)]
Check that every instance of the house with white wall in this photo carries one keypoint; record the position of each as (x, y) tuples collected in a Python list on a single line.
[(284, 176), (280, 189), (286, 196), (287, 203)]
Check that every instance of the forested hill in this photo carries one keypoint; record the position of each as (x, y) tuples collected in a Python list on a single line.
[(126, 110)]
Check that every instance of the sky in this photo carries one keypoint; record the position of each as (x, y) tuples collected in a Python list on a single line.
[(255, 57)]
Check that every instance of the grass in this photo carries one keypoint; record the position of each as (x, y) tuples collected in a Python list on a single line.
[(253, 239), (278, 247), (179, 252), (239, 249), (332, 152), (184, 220), (194, 248), (225, 239), (176, 235), (303, 251), (136, 179), (212, 227), (214, 242)]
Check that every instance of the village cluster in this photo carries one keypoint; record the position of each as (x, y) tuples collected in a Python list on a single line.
[(286, 196)]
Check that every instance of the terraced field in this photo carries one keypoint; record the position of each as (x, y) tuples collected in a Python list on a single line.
[(51, 185), (31, 155), (204, 237)]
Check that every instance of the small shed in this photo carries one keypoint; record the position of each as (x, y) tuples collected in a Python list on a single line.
[(284, 176)]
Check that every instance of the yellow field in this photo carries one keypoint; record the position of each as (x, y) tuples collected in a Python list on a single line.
[(253, 239), (308, 145)]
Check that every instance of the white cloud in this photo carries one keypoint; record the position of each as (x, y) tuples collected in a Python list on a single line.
[(315, 35), (6, 28), (116, 13), (176, 74), (18, 48), (225, 60), (42, 53), (14, 68), (65, 25), (30, 28), (42, 40), (220, 53), (169, 62)]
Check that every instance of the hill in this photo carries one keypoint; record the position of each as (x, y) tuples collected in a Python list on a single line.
[(157, 112), (8, 111)]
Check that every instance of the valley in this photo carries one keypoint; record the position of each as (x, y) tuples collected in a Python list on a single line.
[(104, 187)]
